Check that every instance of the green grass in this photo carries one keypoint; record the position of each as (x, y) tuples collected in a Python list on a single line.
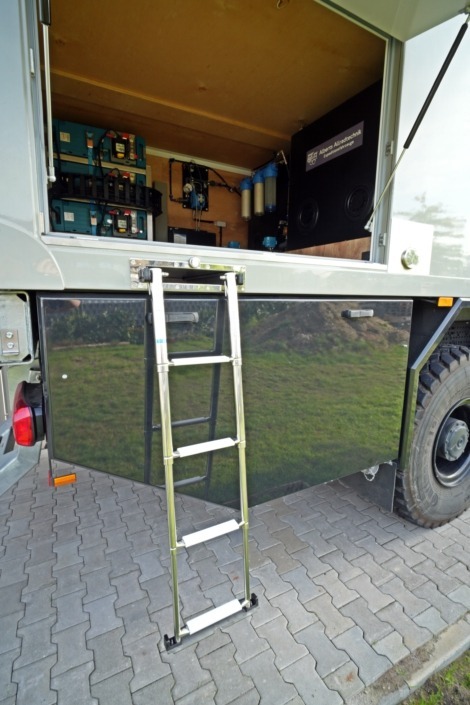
[(449, 687)]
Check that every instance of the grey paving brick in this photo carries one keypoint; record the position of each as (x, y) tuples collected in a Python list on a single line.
[(7, 687), (412, 604), (136, 619), (94, 558), (321, 524), (411, 557), (223, 551), (338, 591), (208, 573), (449, 610), (328, 658), (263, 537), (159, 592), (205, 694), (73, 687), (248, 642), (135, 523), (189, 672), (34, 682), (306, 588), (103, 618), (71, 649), (431, 619), (19, 526), (159, 692), (36, 642), (461, 595), (142, 542), (271, 581), (8, 630), (315, 540), (67, 554), (458, 552), (274, 523), (397, 566), (193, 599), (311, 688), (146, 661), (371, 665), (69, 610), (111, 520), (67, 580), (334, 621), (91, 535), (121, 562), (108, 655), (66, 532), (445, 583), (375, 597), (347, 548), (344, 568), (16, 547), (38, 606), (372, 627), (265, 610), (284, 646), (460, 571), (290, 540), (413, 635), (13, 571), (392, 647), (114, 689), (116, 540), (257, 558), (281, 559), (330, 514), (379, 553), (267, 679), (97, 584), (298, 617), (150, 564), (128, 588), (345, 680), (213, 641)]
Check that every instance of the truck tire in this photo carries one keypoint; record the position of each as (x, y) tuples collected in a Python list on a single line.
[(435, 487)]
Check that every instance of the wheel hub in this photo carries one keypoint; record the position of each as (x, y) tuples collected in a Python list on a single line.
[(453, 439)]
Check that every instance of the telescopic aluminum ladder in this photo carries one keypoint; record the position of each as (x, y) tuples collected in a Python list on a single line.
[(155, 278)]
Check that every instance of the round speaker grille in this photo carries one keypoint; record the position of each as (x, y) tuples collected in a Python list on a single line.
[(307, 215), (358, 203)]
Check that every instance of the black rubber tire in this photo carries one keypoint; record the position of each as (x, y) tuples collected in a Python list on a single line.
[(444, 387)]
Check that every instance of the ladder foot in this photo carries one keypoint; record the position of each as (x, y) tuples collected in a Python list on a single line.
[(253, 602), (170, 642)]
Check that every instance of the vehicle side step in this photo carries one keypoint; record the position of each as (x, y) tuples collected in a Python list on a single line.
[(205, 447), (210, 533)]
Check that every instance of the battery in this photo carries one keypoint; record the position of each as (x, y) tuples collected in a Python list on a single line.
[(93, 218)]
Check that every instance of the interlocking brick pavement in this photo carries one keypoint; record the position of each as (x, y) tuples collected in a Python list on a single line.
[(346, 591)]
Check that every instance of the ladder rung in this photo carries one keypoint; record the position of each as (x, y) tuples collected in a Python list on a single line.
[(190, 481), (184, 422), (210, 533), (212, 616), (201, 360), (206, 447)]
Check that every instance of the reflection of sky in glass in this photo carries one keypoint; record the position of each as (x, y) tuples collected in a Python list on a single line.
[(437, 163), (442, 137)]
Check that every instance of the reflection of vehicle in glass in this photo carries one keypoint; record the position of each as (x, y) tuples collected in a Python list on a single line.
[(354, 320)]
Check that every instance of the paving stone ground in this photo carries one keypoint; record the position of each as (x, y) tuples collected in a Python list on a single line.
[(346, 591)]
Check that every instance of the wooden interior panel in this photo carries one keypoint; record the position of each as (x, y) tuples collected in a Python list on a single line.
[(223, 79), (223, 205), (349, 249)]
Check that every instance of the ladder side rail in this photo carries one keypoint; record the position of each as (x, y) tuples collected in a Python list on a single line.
[(235, 344), (149, 367), (215, 387), (161, 351)]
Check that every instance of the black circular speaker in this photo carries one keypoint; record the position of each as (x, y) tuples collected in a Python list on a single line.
[(307, 215), (358, 203)]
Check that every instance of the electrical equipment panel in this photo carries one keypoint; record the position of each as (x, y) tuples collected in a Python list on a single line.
[(101, 183), (95, 219), (332, 173), (87, 142)]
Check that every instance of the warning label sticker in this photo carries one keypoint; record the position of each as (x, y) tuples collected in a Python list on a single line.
[(335, 147)]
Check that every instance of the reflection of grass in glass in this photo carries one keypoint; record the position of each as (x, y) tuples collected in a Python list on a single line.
[(308, 418)]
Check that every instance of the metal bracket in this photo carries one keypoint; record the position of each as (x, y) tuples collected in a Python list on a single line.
[(189, 275)]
